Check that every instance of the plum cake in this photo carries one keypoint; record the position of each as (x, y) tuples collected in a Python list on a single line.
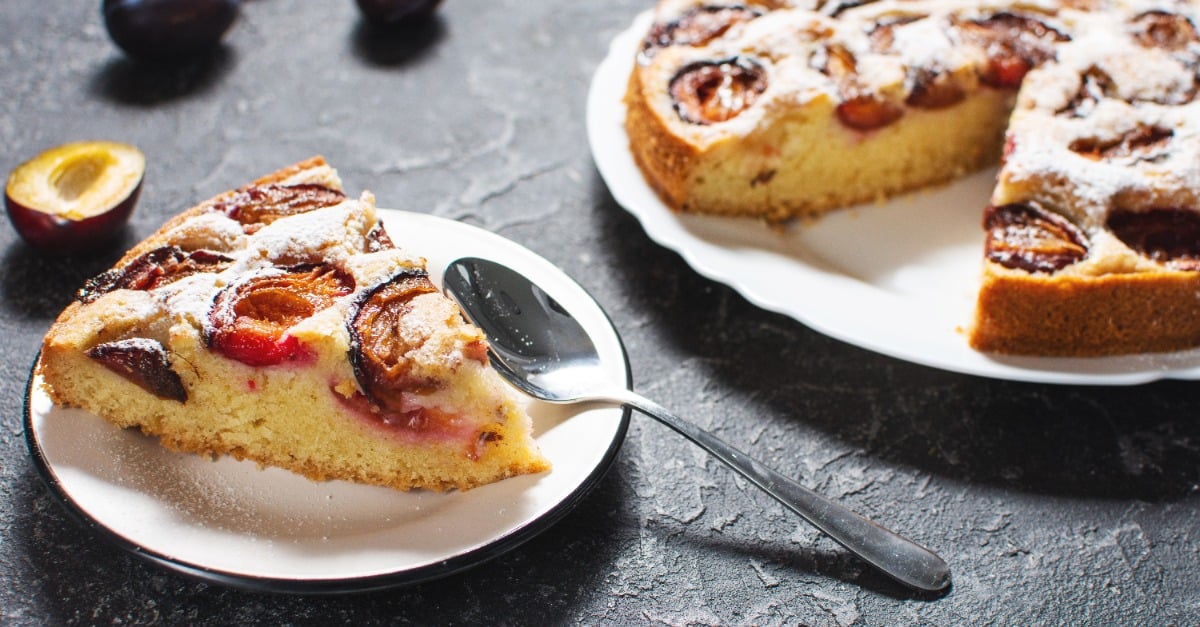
[(278, 323), (779, 110)]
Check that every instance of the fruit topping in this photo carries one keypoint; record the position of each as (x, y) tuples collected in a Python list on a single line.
[(143, 362), (168, 30), (1167, 235), (860, 108), (1094, 85), (397, 12), (933, 89), (258, 206), (1025, 236), (249, 320), (377, 239), (378, 349), (695, 27), (709, 92), (76, 196), (153, 269), (1143, 143), (1013, 44), (1159, 29), (883, 35)]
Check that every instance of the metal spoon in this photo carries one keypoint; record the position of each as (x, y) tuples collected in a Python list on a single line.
[(541, 349)]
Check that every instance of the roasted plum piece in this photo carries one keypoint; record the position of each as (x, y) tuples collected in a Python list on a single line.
[(1013, 43), (153, 269), (1160, 29), (695, 27), (1169, 236), (249, 320), (144, 362), (377, 350), (709, 92), (1094, 85), (860, 108), (1026, 236), (1143, 143), (258, 206), (933, 89)]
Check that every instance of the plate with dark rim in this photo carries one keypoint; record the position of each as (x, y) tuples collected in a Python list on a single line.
[(232, 523), (898, 277)]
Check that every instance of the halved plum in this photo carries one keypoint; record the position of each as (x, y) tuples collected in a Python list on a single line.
[(75, 197), (153, 269), (260, 205), (709, 92), (249, 320), (1027, 236), (1167, 235), (143, 362), (1013, 43), (860, 108), (694, 27)]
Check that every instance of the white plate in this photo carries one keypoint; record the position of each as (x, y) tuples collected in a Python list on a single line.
[(230, 522), (897, 278)]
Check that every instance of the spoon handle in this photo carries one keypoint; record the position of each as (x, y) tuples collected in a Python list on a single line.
[(899, 557)]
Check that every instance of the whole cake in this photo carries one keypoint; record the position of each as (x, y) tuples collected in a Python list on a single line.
[(278, 323), (780, 110)]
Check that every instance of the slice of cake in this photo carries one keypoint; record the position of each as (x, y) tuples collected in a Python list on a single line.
[(277, 323)]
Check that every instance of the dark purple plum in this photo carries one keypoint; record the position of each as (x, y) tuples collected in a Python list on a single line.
[(397, 12), (168, 30)]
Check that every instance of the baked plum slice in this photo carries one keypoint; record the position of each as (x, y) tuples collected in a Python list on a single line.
[(151, 270), (380, 354), (1160, 29), (708, 92), (378, 350), (695, 27), (260, 205), (1013, 43), (1169, 236), (249, 320), (1026, 236), (144, 362), (860, 108), (1143, 143)]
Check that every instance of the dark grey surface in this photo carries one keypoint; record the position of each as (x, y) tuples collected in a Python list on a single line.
[(1052, 504)]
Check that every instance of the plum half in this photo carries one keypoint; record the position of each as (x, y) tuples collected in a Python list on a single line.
[(75, 197)]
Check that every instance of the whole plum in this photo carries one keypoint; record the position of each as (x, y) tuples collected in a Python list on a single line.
[(167, 30), (397, 12)]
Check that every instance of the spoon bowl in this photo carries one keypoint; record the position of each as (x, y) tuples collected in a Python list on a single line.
[(539, 347)]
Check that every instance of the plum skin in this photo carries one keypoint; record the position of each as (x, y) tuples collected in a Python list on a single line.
[(168, 30), (48, 231)]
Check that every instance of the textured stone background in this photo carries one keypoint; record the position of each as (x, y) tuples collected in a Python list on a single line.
[(1052, 504)]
